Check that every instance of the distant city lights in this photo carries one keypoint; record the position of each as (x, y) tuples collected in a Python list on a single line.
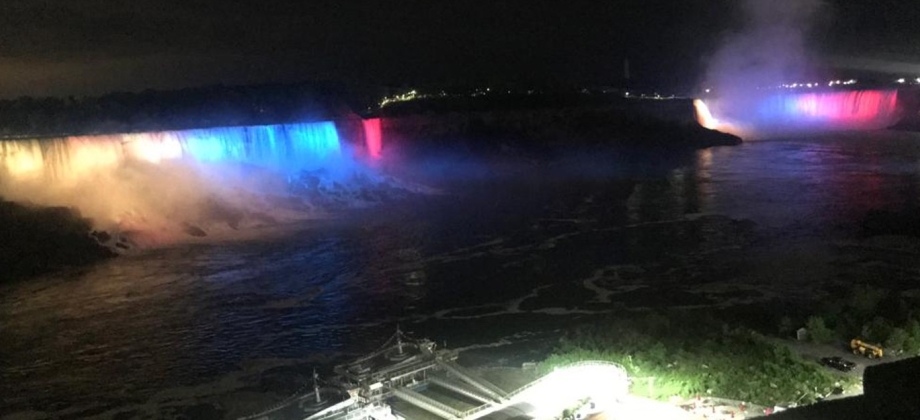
[(408, 96), (414, 94), (908, 81), (814, 85)]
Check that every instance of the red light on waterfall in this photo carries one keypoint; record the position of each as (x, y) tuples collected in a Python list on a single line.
[(373, 137), (861, 107), (853, 106)]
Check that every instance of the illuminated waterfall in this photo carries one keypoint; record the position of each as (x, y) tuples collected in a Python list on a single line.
[(704, 115), (158, 183), (373, 137), (283, 148), (752, 112), (874, 107)]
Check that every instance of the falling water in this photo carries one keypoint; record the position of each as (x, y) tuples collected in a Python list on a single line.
[(752, 113), (164, 181), (867, 108), (373, 137), (704, 115), (283, 148)]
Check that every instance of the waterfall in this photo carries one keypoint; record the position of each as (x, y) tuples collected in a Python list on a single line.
[(283, 148), (864, 109), (762, 114), (161, 183), (373, 137)]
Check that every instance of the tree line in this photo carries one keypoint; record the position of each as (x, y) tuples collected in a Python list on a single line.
[(155, 110)]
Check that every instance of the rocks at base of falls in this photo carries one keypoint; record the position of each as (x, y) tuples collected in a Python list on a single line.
[(324, 191), (312, 193), (38, 240), (193, 230)]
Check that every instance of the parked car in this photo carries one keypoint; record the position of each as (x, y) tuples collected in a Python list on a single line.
[(838, 363)]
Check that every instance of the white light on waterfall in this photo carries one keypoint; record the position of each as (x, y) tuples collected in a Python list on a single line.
[(710, 90), (704, 115), (901, 80), (917, 79)]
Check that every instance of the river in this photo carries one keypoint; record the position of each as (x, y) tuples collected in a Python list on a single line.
[(503, 254)]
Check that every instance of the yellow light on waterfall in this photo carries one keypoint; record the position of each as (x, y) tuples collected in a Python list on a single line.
[(87, 155), (21, 157), (704, 116), (152, 147)]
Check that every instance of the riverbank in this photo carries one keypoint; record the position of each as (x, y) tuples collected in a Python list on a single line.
[(38, 240), (548, 130)]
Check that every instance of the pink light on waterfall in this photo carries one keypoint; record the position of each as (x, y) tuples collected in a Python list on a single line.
[(878, 107), (757, 114), (373, 137)]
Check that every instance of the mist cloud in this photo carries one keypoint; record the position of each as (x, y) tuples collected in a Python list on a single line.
[(770, 47)]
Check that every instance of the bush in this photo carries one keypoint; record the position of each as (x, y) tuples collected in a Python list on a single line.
[(877, 330), (818, 331), (896, 340), (912, 343), (857, 315), (692, 357)]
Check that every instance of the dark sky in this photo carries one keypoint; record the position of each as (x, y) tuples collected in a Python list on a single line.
[(62, 47)]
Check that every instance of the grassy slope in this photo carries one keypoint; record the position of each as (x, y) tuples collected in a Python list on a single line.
[(694, 355)]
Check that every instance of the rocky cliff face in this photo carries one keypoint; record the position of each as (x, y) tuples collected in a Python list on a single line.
[(36, 240)]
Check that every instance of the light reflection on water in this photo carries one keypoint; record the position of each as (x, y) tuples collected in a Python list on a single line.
[(126, 329)]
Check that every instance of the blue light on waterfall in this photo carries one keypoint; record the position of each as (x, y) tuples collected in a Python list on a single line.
[(205, 147), (320, 140), (286, 147)]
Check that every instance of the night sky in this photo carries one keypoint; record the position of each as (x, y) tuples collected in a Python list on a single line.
[(64, 47)]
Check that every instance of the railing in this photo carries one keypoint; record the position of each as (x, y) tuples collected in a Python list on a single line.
[(466, 415), (348, 415), (491, 390), (362, 411), (427, 403), (460, 390), (428, 364)]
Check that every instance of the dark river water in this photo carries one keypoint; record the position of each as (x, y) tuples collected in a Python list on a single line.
[(504, 254)]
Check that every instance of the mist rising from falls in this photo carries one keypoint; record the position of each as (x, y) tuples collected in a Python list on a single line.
[(166, 185), (770, 47)]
